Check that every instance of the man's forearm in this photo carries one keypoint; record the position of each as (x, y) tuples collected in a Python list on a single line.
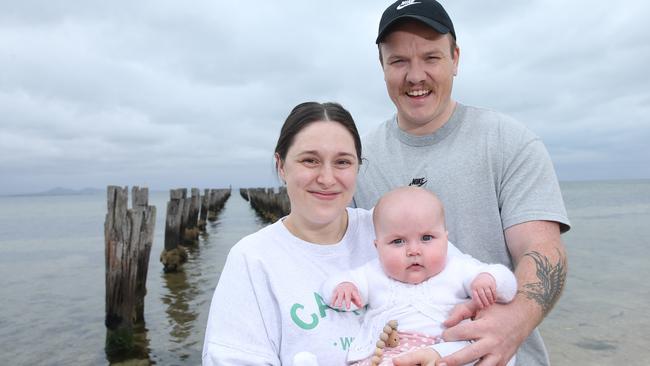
[(550, 275), (540, 264), (540, 268)]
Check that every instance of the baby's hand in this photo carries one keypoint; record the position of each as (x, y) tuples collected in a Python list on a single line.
[(484, 290), (346, 293)]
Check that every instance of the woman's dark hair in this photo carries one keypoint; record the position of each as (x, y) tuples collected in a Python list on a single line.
[(306, 113)]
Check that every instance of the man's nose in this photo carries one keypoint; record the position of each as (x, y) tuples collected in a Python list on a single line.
[(415, 73)]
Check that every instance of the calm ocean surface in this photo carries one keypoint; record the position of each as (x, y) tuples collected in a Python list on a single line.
[(52, 271)]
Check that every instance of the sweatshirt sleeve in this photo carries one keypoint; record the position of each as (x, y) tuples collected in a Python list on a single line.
[(506, 283), (238, 332)]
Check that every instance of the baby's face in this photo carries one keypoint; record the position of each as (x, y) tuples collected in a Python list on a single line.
[(411, 241)]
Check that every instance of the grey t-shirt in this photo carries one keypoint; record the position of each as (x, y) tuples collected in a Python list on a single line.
[(490, 172)]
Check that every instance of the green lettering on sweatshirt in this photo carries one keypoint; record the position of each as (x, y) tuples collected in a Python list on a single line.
[(322, 306), (345, 342), (299, 322)]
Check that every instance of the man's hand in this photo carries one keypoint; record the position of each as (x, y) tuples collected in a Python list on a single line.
[(345, 294), (540, 264), (484, 290), (496, 331), (461, 312)]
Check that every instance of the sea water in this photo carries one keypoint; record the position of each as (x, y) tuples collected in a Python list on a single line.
[(52, 270)]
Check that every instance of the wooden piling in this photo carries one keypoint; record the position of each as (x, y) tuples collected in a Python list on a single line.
[(185, 215), (191, 232), (140, 204), (217, 200), (268, 204), (212, 199), (243, 192), (174, 255), (203, 215), (128, 235)]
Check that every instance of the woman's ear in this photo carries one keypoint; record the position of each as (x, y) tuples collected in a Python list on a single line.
[(279, 167)]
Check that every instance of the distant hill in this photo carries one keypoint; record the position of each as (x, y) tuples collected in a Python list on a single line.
[(60, 191)]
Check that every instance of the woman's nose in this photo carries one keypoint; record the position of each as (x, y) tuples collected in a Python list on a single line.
[(326, 175)]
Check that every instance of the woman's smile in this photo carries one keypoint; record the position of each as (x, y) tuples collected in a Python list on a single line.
[(325, 195)]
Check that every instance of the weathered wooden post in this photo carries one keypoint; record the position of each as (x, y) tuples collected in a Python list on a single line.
[(243, 192), (185, 215), (268, 204), (224, 197), (203, 215), (128, 235), (216, 200), (212, 212), (140, 205), (173, 256), (191, 233)]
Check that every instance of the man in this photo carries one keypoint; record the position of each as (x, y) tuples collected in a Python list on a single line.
[(494, 176)]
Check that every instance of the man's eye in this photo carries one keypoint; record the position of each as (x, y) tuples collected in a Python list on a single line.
[(309, 161), (427, 237)]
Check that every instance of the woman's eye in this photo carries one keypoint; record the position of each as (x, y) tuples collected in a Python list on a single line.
[(309, 161), (343, 163), (427, 237)]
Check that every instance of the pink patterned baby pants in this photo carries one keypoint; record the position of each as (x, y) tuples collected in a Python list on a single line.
[(408, 341)]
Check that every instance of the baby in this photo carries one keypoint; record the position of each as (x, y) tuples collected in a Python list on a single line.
[(417, 279)]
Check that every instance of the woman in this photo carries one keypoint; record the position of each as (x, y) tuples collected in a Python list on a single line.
[(266, 307)]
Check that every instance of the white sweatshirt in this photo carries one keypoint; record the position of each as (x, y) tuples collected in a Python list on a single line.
[(267, 308)]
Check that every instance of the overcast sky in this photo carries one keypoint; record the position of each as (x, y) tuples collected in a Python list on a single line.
[(193, 93)]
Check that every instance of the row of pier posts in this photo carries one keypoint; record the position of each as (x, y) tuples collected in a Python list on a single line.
[(186, 219), (128, 235), (269, 203)]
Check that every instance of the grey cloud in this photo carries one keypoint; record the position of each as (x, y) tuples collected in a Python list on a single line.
[(172, 94)]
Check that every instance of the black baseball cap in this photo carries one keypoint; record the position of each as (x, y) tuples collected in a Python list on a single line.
[(429, 12)]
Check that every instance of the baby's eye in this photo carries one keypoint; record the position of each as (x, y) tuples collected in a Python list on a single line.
[(427, 237), (397, 241)]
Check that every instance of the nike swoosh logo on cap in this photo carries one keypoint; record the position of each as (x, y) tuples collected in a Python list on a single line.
[(405, 4)]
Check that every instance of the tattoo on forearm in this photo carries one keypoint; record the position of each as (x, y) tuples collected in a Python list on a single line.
[(551, 277)]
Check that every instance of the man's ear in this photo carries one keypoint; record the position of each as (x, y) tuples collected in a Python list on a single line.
[(456, 59)]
